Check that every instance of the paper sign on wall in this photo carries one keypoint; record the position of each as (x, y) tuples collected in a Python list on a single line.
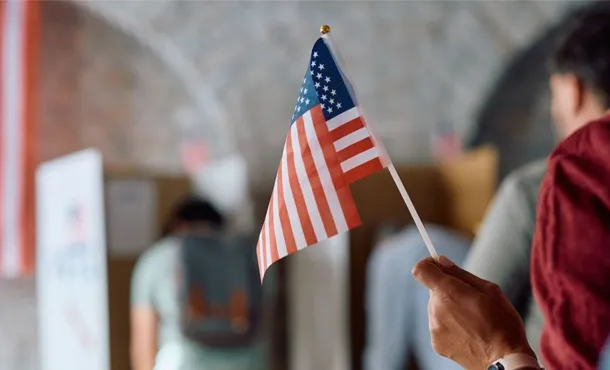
[(132, 215)]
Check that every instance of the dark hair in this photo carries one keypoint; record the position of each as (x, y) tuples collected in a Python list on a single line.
[(193, 209), (584, 49)]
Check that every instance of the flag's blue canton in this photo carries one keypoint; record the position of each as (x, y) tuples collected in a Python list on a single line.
[(323, 84)]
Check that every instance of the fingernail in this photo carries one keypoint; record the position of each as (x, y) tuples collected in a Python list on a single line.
[(445, 262), (414, 271)]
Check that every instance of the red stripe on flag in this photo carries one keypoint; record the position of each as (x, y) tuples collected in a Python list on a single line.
[(334, 167), (347, 128), (355, 149), (364, 170), (291, 246), (314, 179), (299, 198)]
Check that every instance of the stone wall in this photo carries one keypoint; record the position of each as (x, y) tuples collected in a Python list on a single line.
[(414, 64)]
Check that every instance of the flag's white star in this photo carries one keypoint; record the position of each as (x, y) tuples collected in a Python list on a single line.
[(302, 100), (338, 105), (311, 72), (332, 101), (333, 92), (330, 109), (323, 97), (304, 80), (322, 105), (321, 66), (298, 108), (315, 54), (316, 85), (307, 101), (327, 79), (313, 64), (319, 75), (301, 89), (305, 91), (325, 88)]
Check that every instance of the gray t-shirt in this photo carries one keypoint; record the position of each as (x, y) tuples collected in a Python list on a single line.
[(502, 249), (154, 285)]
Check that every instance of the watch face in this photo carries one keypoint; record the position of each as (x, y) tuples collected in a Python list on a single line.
[(496, 366)]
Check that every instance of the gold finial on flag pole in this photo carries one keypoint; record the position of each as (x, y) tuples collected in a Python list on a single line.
[(325, 29)]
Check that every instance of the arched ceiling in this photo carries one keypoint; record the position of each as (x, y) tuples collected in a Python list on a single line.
[(135, 19), (414, 63)]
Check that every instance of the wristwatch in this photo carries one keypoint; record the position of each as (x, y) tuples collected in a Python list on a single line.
[(515, 361)]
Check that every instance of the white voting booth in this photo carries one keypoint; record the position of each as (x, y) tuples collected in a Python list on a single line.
[(72, 288)]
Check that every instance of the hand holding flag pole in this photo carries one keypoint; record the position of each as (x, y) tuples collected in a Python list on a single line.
[(329, 146)]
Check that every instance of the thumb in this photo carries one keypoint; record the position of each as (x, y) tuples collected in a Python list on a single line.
[(429, 274), (454, 270)]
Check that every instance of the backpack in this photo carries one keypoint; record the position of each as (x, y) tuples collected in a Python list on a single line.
[(220, 290)]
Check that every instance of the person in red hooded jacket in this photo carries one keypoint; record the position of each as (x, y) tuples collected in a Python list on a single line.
[(471, 321)]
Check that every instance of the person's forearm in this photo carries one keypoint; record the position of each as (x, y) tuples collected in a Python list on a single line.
[(143, 362), (143, 359)]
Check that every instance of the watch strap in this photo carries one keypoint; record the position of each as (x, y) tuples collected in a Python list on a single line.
[(515, 361)]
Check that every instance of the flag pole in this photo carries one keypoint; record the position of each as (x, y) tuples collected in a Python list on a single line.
[(325, 31), (412, 210)]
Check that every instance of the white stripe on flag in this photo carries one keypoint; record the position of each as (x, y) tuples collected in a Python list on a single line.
[(267, 242), (259, 255), (343, 118), (359, 159), (324, 173), (352, 138), (305, 185), (12, 115), (291, 207), (280, 242)]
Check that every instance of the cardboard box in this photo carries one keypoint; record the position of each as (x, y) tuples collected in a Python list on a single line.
[(137, 207)]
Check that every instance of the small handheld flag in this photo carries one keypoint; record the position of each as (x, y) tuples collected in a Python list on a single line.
[(328, 146)]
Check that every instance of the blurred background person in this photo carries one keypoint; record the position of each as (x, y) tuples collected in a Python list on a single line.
[(162, 337)]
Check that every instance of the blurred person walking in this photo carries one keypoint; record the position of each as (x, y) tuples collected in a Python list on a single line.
[(193, 294)]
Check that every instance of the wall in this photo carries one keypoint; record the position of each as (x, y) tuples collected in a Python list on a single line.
[(99, 88), (414, 64)]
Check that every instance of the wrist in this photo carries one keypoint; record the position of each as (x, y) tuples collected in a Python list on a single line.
[(527, 357), (515, 361), (499, 351)]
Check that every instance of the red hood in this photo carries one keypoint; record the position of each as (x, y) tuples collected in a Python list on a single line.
[(571, 250)]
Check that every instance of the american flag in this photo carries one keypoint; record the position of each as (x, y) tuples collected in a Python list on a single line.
[(19, 33), (328, 147)]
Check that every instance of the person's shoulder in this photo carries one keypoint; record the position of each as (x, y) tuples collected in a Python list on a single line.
[(530, 174), (161, 250), (591, 140), (526, 180)]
